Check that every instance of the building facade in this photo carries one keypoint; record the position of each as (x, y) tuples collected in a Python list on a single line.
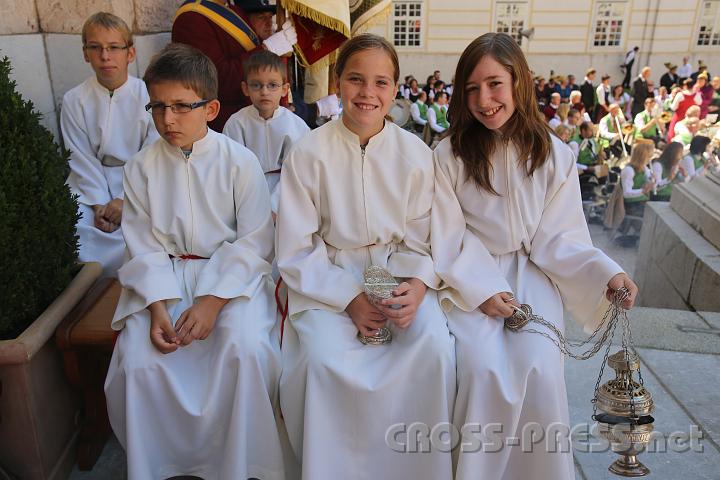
[(568, 36), (42, 37)]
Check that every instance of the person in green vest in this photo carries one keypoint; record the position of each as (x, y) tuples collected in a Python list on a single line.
[(586, 148), (437, 113), (647, 125), (418, 111), (694, 162), (668, 171), (685, 130), (637, 180), (609, 131)]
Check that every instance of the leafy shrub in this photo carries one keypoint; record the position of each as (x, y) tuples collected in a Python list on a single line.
[(38, 245)]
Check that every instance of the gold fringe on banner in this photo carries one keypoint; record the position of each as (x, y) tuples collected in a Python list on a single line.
[(340, 23)]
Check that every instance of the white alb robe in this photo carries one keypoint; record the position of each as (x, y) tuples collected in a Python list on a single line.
[(532, 240), (343, 209), (206, 409), (270, 140), (95, 124)]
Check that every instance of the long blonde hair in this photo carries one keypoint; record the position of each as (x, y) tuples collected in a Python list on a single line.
[(641, 153), (474, 143)]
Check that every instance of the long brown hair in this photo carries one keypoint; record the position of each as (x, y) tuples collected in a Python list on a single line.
[(527, 128)]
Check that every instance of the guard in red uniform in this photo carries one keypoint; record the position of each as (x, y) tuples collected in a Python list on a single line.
[(228, 34)]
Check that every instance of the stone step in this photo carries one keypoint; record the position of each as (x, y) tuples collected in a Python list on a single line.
[(665, 329)]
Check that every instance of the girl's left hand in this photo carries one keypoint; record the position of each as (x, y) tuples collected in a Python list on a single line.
[(408, 295), (621, 280)]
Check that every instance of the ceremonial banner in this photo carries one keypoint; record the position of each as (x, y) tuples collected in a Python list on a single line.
[(363, 13), (322, 26)]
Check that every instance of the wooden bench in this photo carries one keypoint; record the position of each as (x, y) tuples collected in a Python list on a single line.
[(86, 342)]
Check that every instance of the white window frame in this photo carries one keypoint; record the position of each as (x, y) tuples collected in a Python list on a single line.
[(511, 17), (707, 33), (407, 24), (603, 11)]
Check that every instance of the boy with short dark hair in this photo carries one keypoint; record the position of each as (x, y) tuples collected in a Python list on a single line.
[(193, 379), (103, 125), (265, 127)]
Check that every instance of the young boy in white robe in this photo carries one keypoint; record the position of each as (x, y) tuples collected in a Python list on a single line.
[(193, 378), (103, 125), (357, 192), (265, 127), (508, 228)]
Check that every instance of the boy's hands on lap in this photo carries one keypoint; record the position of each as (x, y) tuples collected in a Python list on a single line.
[(162, 333), (198, 321), (409, 295), (365, 315), (113, 211), (102, 220)]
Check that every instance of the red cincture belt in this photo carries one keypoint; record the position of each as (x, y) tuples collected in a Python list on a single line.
[(188, 257)]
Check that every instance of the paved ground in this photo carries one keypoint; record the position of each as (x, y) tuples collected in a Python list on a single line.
[(680, 353)]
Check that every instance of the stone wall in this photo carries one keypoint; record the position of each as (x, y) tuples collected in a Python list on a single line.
[(42, 40), (678, 265)]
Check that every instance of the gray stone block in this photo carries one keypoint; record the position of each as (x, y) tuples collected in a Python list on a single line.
[(147, 46), (30, 72), (698, 203), (658, 290), (68, 16), (705, 293), (672, 255), (18, 16), (155, 15), (677, 267)]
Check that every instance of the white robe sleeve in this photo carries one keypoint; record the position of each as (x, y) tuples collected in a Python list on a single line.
[(302, 255), (147, 275), (233, 269), (561, 247), (86, 172), (233, 129), (468, 271), (412, 258)]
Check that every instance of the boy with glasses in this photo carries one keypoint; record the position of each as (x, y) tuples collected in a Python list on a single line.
[(192, 383), (265, 127), (103, 125)]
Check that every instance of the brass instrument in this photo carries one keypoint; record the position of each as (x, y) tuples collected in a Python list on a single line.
[(665, 117), (628, 128)]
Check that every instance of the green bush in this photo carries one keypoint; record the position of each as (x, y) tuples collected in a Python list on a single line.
[(38, 213)]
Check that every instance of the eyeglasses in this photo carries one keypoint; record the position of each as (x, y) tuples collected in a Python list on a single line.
[(256, 86), (99, 49), (159, 108)]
